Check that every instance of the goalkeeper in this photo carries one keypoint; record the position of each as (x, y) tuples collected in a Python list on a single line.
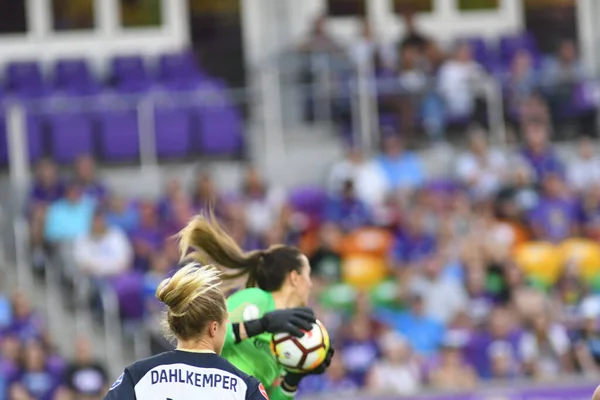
[(277, 289)]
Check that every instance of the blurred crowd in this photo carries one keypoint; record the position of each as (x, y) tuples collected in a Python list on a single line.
[(490, 273), (430, 87), (31, 369)]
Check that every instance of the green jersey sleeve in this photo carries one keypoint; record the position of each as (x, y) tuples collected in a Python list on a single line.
[(253, 355)]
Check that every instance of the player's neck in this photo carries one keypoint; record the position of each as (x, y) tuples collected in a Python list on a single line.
[(196, 346), (283, 299)]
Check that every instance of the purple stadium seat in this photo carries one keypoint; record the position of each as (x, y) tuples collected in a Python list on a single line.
[(130, 73), (221, 130), (178, 66), (481, 52), (129, 290), (24, 76), (70, 73), (72, 136), (509, 45), (119, 137), (35, 137), (220, 123), (173, 132)]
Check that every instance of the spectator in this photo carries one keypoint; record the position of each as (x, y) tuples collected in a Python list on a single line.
[(545, 348), (561, 75), (370, 183), (412, 36), (47, 186), (160, 266), (482, 170), (413, 83), (180, 212), (423, 333), (10, 357), (346, 210), (398, 372), (413, 242), (504, 366), (537, 152), (26, 323), (458, 82), (147, 237), (366, 47), (70, 217), (326, 260), (480, 302), (263, 205), (85, 175), (86, 377), (555, 217), (587, 342), (122, 214), (453, 373), (334, 380), (444, 298), (534, 108), (522, 82), (205, 195), (402, 168), (63, 393), (173, 193), (360, 350), (584, 171), (36, 378), (493, 350), (105, 252), (589, 211), (319, 40)]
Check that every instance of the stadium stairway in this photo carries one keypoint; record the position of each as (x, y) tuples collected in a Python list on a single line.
[(47, 297)]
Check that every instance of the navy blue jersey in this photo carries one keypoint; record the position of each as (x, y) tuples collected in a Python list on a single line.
[(183, 375)]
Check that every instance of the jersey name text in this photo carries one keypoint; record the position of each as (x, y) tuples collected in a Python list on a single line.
[(176, 375)]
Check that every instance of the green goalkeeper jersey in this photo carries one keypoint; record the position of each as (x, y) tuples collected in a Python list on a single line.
[(254, 355)]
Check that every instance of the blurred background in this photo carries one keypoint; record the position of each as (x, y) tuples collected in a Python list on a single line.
[(437, 161)]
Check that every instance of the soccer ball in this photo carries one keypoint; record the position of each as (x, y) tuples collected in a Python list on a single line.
[(301, 354)]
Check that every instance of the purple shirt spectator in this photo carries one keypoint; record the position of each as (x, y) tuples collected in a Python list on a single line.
[(359, 356), (543, 163), (147, 237), (47, 187), (538, 152), (409, 249), (85, 174), (347, 210), (41, 193), (553, 219)]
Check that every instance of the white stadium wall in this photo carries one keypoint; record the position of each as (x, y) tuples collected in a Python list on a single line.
[(107, 39)]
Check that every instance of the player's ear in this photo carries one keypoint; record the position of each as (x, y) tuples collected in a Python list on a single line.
[(213, 328), (293, 277)]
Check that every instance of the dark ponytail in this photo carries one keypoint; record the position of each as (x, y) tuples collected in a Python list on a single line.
[(266, 269)]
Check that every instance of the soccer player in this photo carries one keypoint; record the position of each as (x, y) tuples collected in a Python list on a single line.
[(197, 318), (278, 280)]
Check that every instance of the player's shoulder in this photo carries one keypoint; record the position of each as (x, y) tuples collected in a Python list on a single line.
[(201, 360), (249, 304), (251, 294)]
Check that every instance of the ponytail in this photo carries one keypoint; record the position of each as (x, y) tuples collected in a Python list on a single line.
[(208, 239)]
